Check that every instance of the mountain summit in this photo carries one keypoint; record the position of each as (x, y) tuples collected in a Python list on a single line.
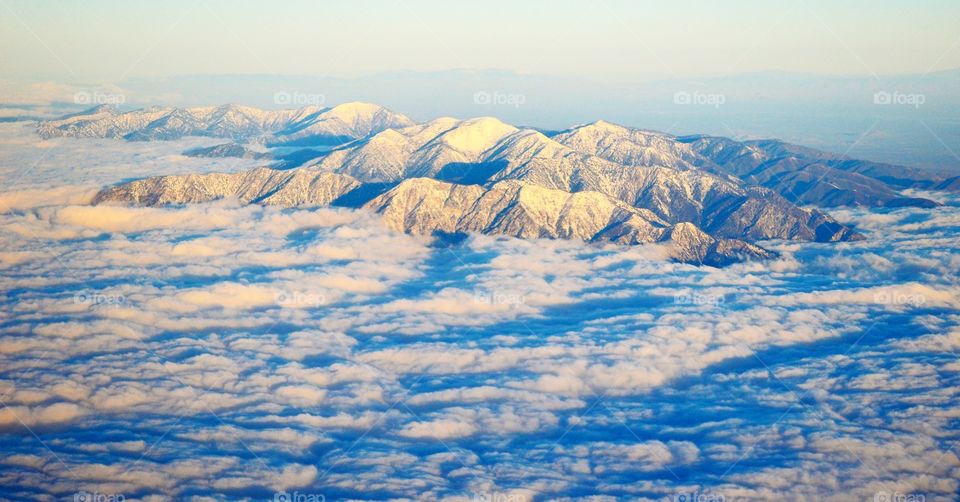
[(708, 198)]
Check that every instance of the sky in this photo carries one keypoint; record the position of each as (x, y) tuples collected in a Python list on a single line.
[(105, 41)]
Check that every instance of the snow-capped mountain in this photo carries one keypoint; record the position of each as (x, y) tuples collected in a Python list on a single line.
[(104, 121), (421, 150), (628, 146), (393, 147), (427, 206), (807, 176), (339, 124), (300, 187), (487, 150), (801, 175), (519, 209), (303, 126), (709, 197)]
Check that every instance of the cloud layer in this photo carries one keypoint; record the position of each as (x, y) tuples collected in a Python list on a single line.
[(227, 352)]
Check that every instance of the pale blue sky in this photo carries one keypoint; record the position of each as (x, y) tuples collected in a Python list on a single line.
[(106, 41)]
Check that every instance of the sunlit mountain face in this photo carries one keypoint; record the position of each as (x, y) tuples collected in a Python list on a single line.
[(227, 303)]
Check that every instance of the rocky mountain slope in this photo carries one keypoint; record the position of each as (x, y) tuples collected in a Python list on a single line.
[(801, 175), (338, 125), (710, 198), (427, 206), (628, 146), (305, 126), (485, 150), (301, 187), (806, 176)]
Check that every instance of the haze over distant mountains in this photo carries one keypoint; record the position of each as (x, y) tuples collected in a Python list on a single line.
[(834, 113), (709, 197)]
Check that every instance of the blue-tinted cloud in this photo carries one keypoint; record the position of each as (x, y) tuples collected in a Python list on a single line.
[(230, 352)]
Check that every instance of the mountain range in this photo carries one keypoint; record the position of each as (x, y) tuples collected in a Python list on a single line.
[(310, 125), (709, 198)]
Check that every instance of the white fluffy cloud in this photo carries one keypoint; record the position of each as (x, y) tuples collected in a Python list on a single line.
[(227, 351)]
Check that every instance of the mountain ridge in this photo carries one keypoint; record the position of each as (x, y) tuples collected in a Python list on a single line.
[(710, 197), (307, 126), (802, 175), (425, 206), (694, 195)]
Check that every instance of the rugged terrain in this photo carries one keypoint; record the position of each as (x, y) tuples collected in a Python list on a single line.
[(709, 197)]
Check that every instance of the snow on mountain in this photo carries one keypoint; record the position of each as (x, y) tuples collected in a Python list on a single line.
[(720, 205), (426, 206), (340, 124), (103, 121), (801, 175), (416, 151), (487, 150), (807, 176), (628, 146), (518, 209), (475, 136), (709, 197), (309, 125), (423, 205), (464, 143), (463, 150), (692, 245), (380, 158), (300, 187)]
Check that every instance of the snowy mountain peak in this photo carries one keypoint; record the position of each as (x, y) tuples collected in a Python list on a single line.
[(602, 126), (699, 193), (477, 135), (367, 116), (355, 110), (341, 124)]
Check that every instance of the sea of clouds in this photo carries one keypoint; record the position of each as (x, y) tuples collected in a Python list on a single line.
[(224, 352)]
